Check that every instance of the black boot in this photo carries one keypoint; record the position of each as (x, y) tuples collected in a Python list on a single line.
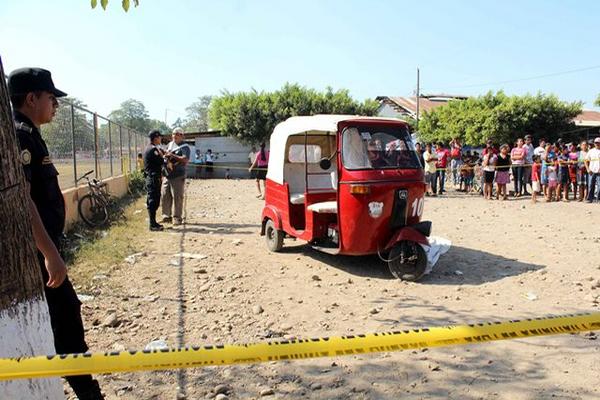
[(85, 387), (154, 226)]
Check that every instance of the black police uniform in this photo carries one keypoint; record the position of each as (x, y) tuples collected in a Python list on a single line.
[(63, 305), (153, 163)]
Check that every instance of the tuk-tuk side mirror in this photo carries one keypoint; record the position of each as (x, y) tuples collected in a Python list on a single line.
[(325, 163)]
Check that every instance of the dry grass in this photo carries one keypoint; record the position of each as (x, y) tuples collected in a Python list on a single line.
[(92, 253)]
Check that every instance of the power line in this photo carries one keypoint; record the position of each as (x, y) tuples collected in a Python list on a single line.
[(527, 79)]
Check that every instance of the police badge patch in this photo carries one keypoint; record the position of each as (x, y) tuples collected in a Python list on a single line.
[(25, 157)]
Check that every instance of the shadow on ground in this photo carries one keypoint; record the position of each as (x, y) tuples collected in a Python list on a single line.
[(458, 266), (223, 228)]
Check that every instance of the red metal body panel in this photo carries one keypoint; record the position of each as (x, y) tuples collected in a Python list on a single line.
[(295, 219), (361, 233), (407, 233)]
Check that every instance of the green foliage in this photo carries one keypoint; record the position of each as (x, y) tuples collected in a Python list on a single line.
[(597, 102), (136, 183), (251, 116), (58, 136), (159, 125), (197, 115), (177, 123), (124, 3), (133, 114), (499, 117)]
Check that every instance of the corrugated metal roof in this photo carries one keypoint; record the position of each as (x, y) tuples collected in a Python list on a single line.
[(408, 105)]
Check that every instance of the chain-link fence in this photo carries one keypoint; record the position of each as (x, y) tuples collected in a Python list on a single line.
[(80, 140)]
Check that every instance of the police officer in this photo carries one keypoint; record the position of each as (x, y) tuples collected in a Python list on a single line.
[(34, 100), (153, 163)]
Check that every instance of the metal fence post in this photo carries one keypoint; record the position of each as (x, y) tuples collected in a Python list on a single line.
[(129, 147), (73, 145), (121, 147), (110, 155), (96, 144), (135, 149)]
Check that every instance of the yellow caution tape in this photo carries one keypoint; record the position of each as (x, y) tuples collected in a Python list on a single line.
[(296, 349)]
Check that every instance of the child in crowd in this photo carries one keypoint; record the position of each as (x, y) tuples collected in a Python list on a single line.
[(563, 174), (535, 178), (489, 166), (548, 152), (573, 156), (470, 163), (552, 176), (502, 172)]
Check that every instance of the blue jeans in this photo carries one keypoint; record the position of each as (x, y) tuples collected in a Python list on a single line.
[(593, 187), (455, 165)]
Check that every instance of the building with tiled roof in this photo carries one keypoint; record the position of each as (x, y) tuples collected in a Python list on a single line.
[(402, 107)]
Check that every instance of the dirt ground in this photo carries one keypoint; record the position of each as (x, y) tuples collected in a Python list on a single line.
[(508, 260)]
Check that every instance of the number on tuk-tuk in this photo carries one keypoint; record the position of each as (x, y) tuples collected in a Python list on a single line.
[(417, 207)]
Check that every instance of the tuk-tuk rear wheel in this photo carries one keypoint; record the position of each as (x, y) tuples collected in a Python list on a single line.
[(274, 237), (407, 261)]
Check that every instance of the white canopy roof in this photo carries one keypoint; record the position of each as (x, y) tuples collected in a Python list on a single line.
[(315, 124)]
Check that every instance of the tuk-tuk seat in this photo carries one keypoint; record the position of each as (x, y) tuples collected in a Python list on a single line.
[(297, 198), (325, 207)]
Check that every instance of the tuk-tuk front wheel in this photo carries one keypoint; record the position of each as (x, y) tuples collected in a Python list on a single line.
[(274, 237), (407, 261)]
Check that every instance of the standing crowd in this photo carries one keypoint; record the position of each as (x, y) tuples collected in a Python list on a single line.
[(557, 171)]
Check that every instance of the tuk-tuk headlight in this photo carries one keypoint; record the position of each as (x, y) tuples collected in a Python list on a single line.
[(360, 189)]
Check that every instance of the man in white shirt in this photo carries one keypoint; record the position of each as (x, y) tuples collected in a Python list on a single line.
[(592, 164)]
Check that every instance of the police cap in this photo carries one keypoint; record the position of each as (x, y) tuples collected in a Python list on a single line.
[(25, 80), (154, 133)]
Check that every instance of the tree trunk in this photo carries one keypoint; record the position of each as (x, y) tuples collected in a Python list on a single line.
[(24, 320)]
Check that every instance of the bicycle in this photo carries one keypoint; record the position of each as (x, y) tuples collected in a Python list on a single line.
[(93, 206)]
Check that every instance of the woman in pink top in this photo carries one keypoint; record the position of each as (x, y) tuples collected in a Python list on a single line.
[(261, 162), (517, 158)]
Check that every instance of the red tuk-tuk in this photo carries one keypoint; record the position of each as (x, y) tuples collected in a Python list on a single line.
[(348, 185)]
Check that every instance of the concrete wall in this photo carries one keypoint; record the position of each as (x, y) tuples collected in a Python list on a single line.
[(229, 154), (116, 186)]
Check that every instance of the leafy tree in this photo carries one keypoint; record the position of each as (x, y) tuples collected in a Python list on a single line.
[(499, 117), (597, 102), (132, 114), (251, 116), (197, 115), (178, 123), (57, 134), (160, 125)]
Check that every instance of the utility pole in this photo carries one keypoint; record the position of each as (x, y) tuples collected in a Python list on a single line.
[(418, 96)]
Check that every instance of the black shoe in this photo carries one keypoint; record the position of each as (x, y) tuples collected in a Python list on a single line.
[(86, 390), (526, 194), (156, 227)]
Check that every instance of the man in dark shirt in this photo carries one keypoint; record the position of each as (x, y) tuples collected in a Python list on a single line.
[(153, 163), (34, 100)]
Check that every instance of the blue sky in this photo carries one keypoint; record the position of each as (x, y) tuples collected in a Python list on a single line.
[(167, 53)]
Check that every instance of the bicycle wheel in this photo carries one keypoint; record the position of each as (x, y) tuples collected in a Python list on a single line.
[(92, 211)]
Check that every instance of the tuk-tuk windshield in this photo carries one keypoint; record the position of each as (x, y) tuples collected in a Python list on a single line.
[(377, 147)]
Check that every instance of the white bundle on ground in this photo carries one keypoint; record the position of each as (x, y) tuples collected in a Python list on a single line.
[(437, 247)]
